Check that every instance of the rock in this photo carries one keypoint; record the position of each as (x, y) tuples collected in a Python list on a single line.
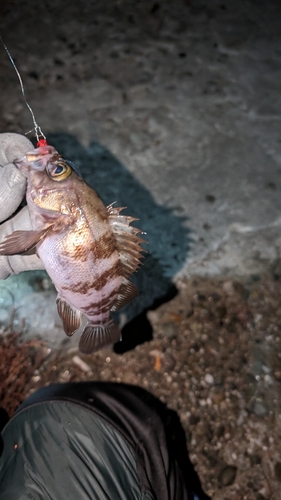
[(277, 375), (259, 408), (82, 365), (209, 379), (153, 317), (169, 329), (228, 287), (218, 397), (227, 476), (169, 362)]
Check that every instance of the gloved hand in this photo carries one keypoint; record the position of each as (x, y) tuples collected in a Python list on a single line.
[(12, 191)]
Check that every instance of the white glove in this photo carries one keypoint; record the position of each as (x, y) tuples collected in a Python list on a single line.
[(12, 191)]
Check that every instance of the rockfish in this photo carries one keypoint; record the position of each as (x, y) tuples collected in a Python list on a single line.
[(89, 250)]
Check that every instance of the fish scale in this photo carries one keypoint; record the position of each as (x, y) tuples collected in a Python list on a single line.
[(89, 250)]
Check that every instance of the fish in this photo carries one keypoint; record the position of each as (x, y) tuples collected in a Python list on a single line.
[(89, 250)]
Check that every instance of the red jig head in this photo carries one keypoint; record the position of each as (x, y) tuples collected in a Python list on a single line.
[(41, 142)]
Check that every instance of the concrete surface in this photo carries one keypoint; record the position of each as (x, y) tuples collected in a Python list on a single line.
[(173, 110)]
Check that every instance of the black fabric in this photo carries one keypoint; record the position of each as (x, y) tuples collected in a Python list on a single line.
[(4, 418), (58, 450), (152, 431)]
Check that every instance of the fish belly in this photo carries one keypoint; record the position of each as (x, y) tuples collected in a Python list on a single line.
[(88, 283)]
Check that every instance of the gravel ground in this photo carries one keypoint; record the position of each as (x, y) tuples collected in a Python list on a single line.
[(215, 358)]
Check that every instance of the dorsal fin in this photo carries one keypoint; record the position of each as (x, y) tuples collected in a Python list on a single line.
[(128, 243)]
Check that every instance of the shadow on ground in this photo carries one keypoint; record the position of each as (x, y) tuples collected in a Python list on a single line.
[(167, 237)]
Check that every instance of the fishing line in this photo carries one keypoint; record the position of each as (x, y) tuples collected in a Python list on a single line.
[(37, 129)]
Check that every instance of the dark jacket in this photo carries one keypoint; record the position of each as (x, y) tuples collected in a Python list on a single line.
[(92, 441)]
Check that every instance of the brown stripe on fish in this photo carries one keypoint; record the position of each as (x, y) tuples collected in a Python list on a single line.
[(110, 273), (78, 252), (97, 310), (99, 282), (80, 287), (104, 246), (104, 304)]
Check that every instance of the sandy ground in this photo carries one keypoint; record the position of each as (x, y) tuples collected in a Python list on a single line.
[(214, 359)]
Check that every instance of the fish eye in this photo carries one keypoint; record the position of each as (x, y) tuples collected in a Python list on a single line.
[(59, 171)]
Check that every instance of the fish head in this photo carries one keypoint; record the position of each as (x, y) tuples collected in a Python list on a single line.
[(50, 179)]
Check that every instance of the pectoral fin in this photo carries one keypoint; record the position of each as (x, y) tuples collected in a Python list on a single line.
[(95, 337), (21, 241), (128, 292), (71, 317)]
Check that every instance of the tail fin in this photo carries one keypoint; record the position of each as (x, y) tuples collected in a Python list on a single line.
[(95, 337)]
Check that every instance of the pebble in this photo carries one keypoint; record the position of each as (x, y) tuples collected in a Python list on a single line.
[(153, 317), (265, 369), (65, 376), (82, 365), (228, 287), (257, 318), (268, 379), (277, 375), (227, 475), (169, 329), (209, 379), (170, 363), (259, 408), (218, 397)]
